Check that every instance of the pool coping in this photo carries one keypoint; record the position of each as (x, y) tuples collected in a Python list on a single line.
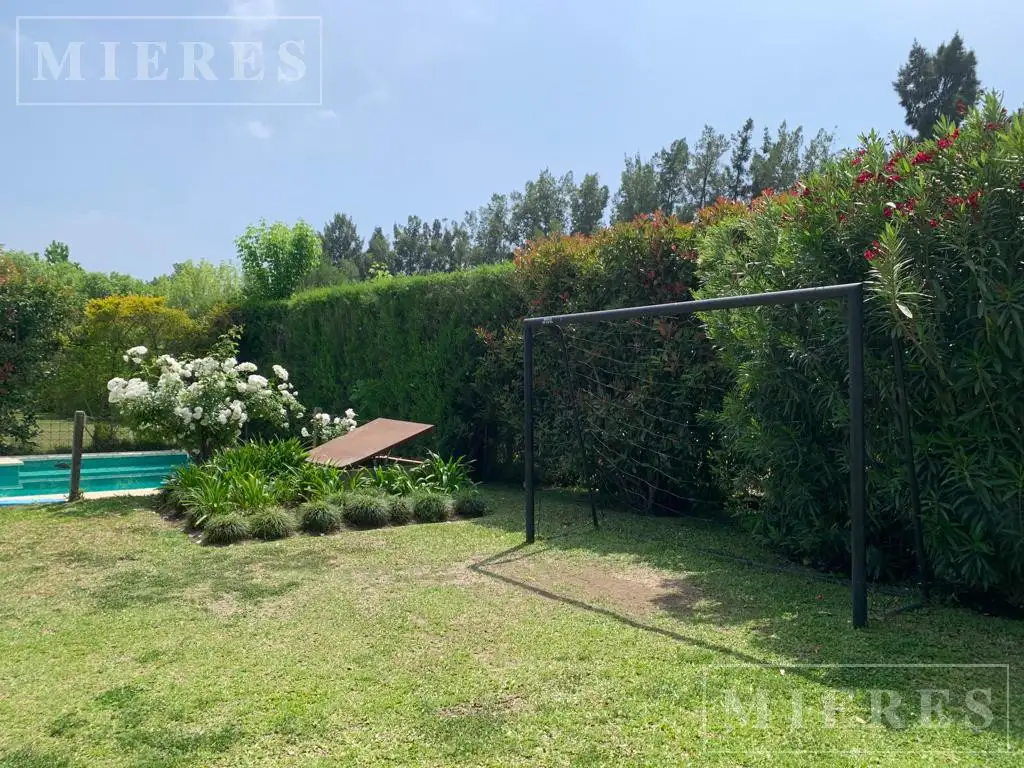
[(18, 501), (130, 454)]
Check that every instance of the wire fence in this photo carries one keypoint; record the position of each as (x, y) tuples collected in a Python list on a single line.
[(55, 435)]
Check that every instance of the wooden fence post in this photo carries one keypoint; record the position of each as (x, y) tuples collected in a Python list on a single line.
[(77, 444)]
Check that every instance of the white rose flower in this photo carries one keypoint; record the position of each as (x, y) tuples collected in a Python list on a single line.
[(246, 368), (281, 373), (257, 383), (350, 414), (305, 432)]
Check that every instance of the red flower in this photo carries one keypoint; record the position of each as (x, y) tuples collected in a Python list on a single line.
[(870, 254), (887, 212), (921, 157), (1021, 185), (947, 141), (954, 200), (563, 296), (933, 223), (890, 181), (891, 165), (972, 199), (806, 192), (842, 216), (993, 126), (865, 176), (961, 108)]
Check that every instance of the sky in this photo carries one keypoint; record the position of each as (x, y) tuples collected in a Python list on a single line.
[(422, 107)]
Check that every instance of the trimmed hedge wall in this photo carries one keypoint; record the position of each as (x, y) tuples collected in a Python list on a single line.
[(934, 228), (402, 348)]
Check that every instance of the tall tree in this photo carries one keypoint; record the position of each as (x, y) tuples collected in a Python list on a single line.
[(587, 204), (738, 173), (638, 190), (276, 258), (932, 85), (199, 287), (777, 164), (542, 207), (672, 165), (378, 251), (705, 180), (57, 253), (341, 241), (493, 239), (818, 151)]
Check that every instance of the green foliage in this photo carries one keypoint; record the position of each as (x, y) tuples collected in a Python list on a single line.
[(934, 228), (366, 511), (33, 315), (224, 529), (441, 475), (199, 288), (275, 257), (648, 260), (932, 86), (320, 517), (57, 253), (342, 246), (203, 494), (399, 348), (95, 352), (249, 492), (469, 504), (272, 523), (260, 457), (428, 507), (400, 510)]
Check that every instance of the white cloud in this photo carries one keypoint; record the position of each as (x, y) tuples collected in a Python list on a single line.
[(252, 14), (259, 130)]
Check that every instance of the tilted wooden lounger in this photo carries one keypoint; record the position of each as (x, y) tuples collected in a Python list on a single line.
[(373, 440)]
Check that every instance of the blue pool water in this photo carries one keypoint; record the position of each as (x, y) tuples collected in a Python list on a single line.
[(50, 476)]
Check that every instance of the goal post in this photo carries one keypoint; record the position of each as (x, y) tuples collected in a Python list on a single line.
[(851, 293)]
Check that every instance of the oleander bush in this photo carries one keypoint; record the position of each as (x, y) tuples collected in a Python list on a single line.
[(936, 230)]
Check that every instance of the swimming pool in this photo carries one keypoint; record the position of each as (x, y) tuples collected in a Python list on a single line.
[(46, 478)]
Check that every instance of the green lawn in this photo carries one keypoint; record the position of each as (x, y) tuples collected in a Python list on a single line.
[(123, 643)]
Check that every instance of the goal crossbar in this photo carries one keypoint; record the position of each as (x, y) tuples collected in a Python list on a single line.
[(852, 293)]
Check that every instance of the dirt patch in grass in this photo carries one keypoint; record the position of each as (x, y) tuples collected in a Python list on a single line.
[(503, 705), (631, 589)]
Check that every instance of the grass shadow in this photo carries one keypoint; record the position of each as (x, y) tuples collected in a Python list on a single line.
[(787, 615)]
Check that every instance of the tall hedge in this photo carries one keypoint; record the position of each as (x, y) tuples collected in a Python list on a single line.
[(935, 229), (634, 389), (402, 348)]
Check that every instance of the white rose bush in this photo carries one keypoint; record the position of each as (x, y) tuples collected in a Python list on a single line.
[(202, 405)]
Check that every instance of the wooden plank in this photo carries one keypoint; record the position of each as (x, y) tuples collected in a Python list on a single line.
[(77, 445), (376, 438)]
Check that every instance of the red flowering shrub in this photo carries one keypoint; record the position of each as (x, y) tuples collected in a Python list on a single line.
[(940, 248)]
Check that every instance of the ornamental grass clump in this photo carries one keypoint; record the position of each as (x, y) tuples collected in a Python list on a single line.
[(226, 528), (320, 517), (272, 523), (430, 507), (366, 511)]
